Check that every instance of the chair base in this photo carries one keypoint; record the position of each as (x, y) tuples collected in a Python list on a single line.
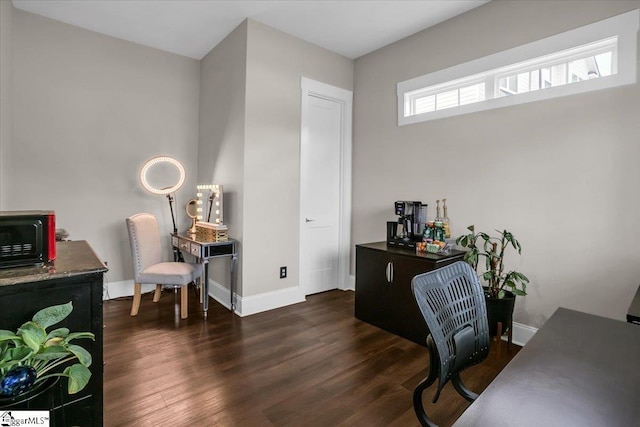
[(457, 383)]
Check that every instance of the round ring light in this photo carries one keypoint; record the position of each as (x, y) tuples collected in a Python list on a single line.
[(159, 160)]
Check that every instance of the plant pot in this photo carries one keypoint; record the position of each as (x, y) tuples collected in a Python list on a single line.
[(499, 310), (40, 396)]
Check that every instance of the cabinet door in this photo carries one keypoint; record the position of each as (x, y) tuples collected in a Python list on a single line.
[(18, 304), (373, 291), (409, 322)]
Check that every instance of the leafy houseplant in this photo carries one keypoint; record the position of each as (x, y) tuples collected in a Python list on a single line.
[(493, 250), (31, 354)]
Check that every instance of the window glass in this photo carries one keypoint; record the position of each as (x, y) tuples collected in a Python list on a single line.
[(594, 63)]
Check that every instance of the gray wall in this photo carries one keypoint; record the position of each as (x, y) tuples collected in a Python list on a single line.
[(6, 99), (560, 174), (276, 62), (88, 111), (221, 136)]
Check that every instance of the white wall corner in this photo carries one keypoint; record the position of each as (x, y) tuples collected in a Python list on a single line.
[(246, 306), (112, 290), (349, 283)]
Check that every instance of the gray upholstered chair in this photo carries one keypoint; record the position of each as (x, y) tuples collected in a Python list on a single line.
[(148, 264), (452, 303)]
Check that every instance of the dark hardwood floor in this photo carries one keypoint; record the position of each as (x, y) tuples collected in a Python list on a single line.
[(311, 364)]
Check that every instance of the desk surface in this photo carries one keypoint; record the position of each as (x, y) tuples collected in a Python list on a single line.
[(633, 315), (577, 370)]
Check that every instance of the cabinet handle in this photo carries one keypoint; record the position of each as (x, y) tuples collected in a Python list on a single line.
[(389, 272)]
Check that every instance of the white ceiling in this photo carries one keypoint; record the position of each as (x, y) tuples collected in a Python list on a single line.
[(193, 27)]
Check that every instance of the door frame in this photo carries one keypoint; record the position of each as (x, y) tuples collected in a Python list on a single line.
[(345, 98)]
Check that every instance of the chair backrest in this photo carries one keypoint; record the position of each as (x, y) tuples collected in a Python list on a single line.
[(144, 237), (452, 303)]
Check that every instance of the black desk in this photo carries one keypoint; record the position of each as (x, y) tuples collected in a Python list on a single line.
[(577, 370), (633, 315)]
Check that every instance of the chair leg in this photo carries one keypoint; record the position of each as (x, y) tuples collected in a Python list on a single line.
[(184, 301), (461, 388), (137, 290), (156, 294), (418, 406)]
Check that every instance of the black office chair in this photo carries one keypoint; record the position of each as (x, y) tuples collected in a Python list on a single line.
[(452, 303)]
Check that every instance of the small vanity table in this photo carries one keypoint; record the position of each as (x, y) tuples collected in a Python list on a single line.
[(204, 251)]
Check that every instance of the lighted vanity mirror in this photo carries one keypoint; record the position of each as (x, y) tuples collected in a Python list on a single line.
[(162, 175), (209, 202)]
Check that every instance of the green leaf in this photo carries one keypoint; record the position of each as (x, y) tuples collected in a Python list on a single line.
[(50, 353), (7, 335), (18, 354), (79, 335), (78, 375), (501, 294), (84, 357), (33, 335), (518, 292), (51, 315)]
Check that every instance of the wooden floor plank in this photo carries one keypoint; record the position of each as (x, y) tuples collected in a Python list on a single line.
[(311, 364)]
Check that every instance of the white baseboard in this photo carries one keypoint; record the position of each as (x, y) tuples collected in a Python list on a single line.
[(220, 293), (246, 306), (124, 288), (350, 284), (522, 333)]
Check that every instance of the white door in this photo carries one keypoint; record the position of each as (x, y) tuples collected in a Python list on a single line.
[(323, 187)]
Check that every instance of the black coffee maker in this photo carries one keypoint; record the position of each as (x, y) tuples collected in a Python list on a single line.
[(407, 230)]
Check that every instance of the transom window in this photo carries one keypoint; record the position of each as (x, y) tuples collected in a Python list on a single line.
[(585, 61)]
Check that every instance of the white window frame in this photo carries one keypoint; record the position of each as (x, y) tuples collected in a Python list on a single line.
[(624, 27)]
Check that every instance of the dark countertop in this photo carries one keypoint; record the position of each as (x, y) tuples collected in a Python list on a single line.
[(72, 258), (382, 246), (633, 315), (578, 370)]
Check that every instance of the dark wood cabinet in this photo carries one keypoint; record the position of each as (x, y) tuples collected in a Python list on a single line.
[(77, 276), (383, 287)]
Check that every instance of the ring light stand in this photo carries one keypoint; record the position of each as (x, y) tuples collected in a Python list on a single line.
[(167, 191)]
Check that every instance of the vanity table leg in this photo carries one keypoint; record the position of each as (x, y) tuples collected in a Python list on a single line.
[(204, 295), (234, 276)]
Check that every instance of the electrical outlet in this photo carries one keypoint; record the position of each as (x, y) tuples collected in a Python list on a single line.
[(283, 272)]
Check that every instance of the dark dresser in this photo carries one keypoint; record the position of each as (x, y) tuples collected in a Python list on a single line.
[(383, 287), (77, 276)]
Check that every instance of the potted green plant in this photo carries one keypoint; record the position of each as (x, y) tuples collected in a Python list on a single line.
[(493, 250), (502, 286), (31, 355)]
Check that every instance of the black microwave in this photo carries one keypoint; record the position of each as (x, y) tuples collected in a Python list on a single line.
[(27, 238)]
